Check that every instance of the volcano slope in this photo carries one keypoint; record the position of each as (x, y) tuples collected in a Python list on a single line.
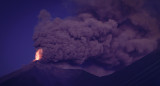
[(144, 72)]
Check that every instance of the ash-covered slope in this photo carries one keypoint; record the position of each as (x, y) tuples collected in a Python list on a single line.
[(145, 72), (37, 74)]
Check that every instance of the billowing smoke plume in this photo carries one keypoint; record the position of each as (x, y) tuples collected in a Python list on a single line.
[(112, 33)]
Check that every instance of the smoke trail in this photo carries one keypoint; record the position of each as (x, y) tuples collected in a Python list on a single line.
[(114, 33)]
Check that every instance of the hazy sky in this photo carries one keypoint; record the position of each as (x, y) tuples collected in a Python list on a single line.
[(18, 19)]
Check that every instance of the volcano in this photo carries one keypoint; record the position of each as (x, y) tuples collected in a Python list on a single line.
[(144, 72), (37, 74)]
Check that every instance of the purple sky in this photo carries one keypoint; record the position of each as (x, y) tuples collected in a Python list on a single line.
[(18, 19)]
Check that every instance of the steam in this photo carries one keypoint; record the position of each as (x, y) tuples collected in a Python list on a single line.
[(114, 33)]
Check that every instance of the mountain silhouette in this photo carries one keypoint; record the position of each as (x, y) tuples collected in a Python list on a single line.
[(144, 72)]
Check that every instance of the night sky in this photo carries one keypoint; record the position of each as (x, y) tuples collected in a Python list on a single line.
[(18, 19)]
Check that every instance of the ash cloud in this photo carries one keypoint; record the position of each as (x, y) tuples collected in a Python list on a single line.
[(115, 33)]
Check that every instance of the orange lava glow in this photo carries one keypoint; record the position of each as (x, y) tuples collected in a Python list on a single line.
[(38, 54)]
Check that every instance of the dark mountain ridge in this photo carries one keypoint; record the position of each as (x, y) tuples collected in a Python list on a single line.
[(144, 72)]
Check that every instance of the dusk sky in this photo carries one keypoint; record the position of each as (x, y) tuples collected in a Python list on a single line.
[(18, 19)]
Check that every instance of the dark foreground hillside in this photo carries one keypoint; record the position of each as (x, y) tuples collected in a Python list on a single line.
[(145, 72)]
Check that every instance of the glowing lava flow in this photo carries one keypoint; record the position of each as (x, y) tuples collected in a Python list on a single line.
[(38, 55)]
